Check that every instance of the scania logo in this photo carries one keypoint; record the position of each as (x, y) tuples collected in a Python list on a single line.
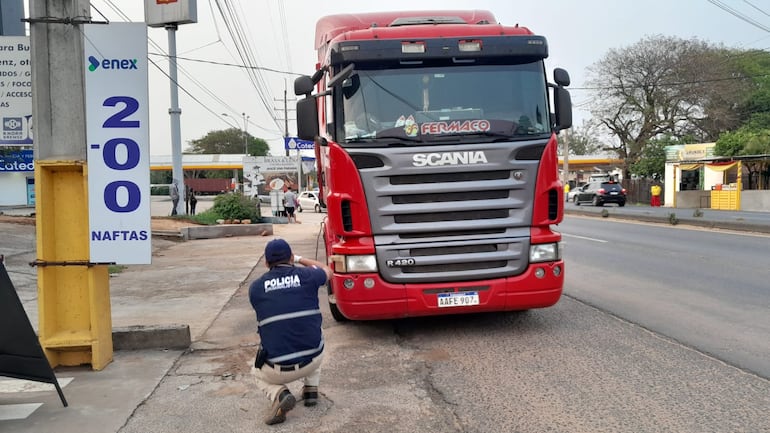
[(95, 63), (448, 158)]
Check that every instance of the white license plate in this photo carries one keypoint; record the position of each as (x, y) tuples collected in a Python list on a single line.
[(461, 299), (614, 193)]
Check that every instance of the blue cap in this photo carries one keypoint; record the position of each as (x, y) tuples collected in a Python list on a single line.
[(277, 250)]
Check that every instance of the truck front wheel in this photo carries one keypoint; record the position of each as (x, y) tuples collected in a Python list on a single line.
[(336, 313)]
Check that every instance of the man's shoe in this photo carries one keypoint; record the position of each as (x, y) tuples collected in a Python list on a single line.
[(282, 404), (310, 395)]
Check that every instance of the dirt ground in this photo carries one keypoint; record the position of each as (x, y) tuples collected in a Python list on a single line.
[(158, 223)]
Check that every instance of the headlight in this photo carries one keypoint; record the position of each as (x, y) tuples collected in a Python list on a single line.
[(545, 252), (360, 264)]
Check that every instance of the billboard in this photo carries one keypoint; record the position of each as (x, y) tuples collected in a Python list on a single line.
[(16, 91), (158, 13), (272, 172), (118, 147)]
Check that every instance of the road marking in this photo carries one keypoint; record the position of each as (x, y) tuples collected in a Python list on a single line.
[(24, 410), (584, 238), (20, 385), (17, 411)]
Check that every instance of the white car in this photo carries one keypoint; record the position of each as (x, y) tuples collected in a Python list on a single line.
[(309, 200), (572, 194)]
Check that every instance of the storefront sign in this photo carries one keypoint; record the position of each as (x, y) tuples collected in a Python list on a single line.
[(16, 91), (117, 126), (17, 160)]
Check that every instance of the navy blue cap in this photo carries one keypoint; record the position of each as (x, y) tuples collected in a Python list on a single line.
[(277, 250)]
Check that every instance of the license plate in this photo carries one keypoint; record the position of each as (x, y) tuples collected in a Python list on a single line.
[(461, 299), (614, 193)]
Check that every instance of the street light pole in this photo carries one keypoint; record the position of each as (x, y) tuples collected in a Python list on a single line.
[(245, 133)]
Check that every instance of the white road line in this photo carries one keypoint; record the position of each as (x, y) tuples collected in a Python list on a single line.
[(17, 411), (24, 410), (584, 238), (20, 385)]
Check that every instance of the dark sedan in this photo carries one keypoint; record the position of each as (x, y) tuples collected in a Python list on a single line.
[(599, 193)]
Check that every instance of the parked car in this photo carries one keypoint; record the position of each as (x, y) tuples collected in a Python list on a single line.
[(599, 193), (573, 192), (309, 200)]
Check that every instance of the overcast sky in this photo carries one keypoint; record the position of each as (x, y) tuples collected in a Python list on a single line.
[(281, 33)]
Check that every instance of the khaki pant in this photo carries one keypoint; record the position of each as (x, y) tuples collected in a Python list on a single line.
[(271, 380)]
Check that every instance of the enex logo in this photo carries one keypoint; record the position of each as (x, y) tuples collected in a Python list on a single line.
[(111, 63)]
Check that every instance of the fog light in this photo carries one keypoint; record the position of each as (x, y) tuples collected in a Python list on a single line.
[(369, 283), (348, 283), (556, 271), (539, 272)]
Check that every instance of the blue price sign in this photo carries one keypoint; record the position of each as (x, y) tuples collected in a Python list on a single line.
[(294, 143), (117, 118)]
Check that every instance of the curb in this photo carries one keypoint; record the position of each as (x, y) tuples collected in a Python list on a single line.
[(151, 337), (691, 221)]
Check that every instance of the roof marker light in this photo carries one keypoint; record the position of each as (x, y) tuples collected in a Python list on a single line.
[(469, 45), (412, 47)]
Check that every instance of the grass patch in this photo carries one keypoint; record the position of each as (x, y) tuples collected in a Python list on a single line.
[(116, 269)]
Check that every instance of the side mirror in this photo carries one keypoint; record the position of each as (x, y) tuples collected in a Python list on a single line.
[(307, 118), (563, 106), (303, 85), (561, 77)]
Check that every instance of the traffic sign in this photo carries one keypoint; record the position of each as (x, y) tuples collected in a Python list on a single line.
[(294, 143)]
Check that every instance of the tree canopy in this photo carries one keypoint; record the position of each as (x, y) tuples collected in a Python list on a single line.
[(229, 141), (667, 86)]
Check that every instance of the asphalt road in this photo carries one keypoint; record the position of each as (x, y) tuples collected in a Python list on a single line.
[(706, 289)]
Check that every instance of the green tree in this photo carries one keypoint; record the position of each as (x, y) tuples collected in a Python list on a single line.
[(229, 141), (581, 140), (652, 160), (665, 85)]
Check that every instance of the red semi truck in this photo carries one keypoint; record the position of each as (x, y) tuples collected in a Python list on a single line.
[(435, 137)]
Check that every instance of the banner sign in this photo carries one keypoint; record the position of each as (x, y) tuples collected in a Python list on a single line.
[(17, 160), (294, 143), (21, 355), (117, 130), (16, 91)]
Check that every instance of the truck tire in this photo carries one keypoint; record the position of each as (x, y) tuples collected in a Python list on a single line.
[(336, 313)]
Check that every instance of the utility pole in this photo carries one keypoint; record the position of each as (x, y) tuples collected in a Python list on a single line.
[(245, 133), (565, 140), (75, 325), (175, 113)]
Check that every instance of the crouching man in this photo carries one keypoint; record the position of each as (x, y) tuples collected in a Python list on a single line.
[(285, 300)]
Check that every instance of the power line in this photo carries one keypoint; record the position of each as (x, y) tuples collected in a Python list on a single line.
[(739, 15), (235, 65), (755, 7)]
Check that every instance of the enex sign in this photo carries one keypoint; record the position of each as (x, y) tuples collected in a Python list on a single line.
[(117, 130)]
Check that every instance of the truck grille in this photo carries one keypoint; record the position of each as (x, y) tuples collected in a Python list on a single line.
[(453, 222)]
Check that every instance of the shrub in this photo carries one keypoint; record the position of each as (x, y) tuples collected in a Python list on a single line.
[(672, 219), (159, 190), (236, 206)]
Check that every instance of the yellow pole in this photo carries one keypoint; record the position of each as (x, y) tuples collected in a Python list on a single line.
[(75, 323), (739, 186)]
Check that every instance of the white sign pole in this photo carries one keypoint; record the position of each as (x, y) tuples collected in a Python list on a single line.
[(117, 123)]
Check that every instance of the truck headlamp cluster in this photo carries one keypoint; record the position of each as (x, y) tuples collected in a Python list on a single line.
[(354, 264), (545, 252)]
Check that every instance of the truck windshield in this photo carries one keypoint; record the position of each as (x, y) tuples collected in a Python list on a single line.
[(430, 104)]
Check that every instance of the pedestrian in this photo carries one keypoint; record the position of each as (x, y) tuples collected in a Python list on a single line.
[(290, 204), (285, 300), (173, 192), (193, 201), (655, 192)]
